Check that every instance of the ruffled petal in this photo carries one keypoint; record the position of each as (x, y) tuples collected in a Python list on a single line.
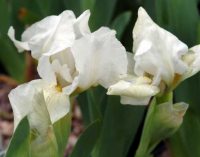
[(99, 58), (126, 88), (134, 91), (21, 46), (50, 35), (64, 36), (157, 51)]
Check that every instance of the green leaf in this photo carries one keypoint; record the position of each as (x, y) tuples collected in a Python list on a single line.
[(13, 62), (49, 7), (19, 144), (43, 145), (87, 4), (102, 13), (4, 17), (23, 13), (172, 14), (120, 125), (87, 140), (89, 104), (78, 6), (45, 6), (74, 5), (62, 129), (120, 23)]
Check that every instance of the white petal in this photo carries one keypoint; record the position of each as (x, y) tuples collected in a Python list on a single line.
[(21, 46), (46, 71), (196, 63), (131, 63), (81, 27), (50, 35), (65, 57), (62, 71), (99, 58), (72, 87), (57, 102), (157, 51), (192, 58), (56, 69), (133, 90)]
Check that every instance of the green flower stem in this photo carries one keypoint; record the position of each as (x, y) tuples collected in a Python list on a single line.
[(142, 150), (168, 97)]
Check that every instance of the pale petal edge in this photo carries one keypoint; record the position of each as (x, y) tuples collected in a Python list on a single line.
[(21, 46), (194, 59)]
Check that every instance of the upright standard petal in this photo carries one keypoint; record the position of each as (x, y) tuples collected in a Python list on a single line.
[(81, 26), (58, 69), (99, 58), (48, 36), (157, 51)]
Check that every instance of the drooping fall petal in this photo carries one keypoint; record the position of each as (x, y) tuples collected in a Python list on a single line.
[(42, 103)]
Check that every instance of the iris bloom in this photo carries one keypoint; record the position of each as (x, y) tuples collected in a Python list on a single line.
[(70, 58), (160, 62)]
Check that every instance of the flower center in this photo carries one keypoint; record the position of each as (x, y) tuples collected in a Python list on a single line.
[(176, 80), (58, 88)]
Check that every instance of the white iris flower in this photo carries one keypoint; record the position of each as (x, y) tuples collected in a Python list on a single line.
[(70, 58), (160, 60)]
